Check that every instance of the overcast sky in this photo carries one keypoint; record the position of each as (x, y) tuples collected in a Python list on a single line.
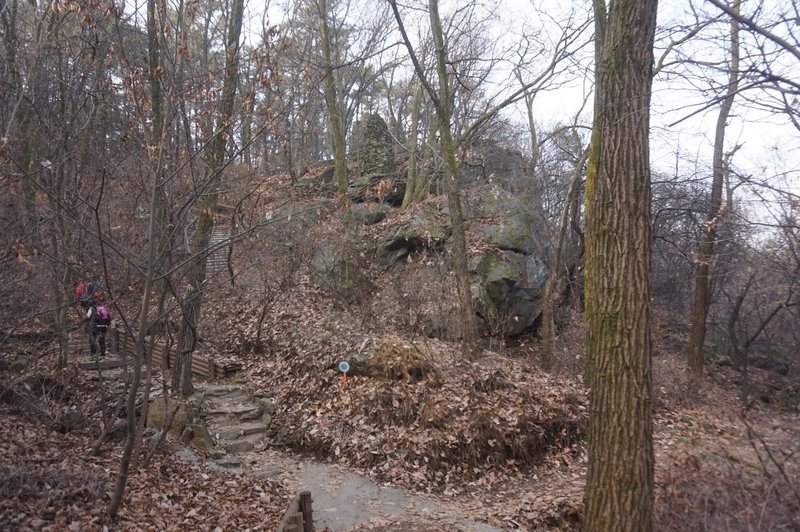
[(680, 134)]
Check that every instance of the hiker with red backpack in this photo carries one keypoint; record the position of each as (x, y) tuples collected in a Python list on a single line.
[(98, 319)]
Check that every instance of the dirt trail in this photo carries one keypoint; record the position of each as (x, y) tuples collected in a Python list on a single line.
[(342, 500)]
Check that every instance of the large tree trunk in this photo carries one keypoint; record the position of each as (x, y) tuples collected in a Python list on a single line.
[(706, 254), (619, 486)]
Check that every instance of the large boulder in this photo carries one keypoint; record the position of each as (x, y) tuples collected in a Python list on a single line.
[(367, 213), (382, 188), (488, 162), (509, 276), (509, 270), (508, 289), (508, 222), (186, 413)]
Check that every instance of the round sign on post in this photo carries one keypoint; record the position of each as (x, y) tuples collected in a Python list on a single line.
[(344, 367)]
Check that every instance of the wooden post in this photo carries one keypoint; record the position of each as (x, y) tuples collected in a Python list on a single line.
[(305, 508), (212, 369)]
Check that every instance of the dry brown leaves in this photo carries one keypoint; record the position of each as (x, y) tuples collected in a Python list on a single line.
[(49, 479)]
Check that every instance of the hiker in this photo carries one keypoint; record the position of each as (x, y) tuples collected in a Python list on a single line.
[(87, 294), (98, 319)]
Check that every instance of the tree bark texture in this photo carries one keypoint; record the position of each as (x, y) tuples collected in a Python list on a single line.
[(706, 253), (619, 487)]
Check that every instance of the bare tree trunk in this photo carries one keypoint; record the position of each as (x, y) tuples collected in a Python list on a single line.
[(249, 102), (127, 453), (331, 101), (187, 338), (442, 103), (706, 255), (444, 110), (548, 303), (739, 352), (415, 183), (619, 484)]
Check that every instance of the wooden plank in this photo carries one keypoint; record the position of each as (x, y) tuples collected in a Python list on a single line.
[(126, 344), (202, 366), (158, 358), (200, 362), (305, 511), (298, 516), (212, 368)]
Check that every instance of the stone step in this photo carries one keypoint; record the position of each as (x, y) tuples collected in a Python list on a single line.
[(225, 423), (241, 411), (239, 431), (228, 391), (245, 444)]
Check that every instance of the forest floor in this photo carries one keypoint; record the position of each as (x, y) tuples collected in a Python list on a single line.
[(718, 466), (433, 442)]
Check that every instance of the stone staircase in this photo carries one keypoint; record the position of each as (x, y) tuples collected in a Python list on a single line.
[(236, 420)]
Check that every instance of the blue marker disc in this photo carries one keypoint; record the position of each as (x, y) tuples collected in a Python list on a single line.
[(344, 367)]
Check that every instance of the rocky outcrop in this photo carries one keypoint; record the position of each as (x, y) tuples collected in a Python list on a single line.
[(367, 213), (487, 162), (510, 274), (426, 227), (178, 414), (373, 154), (508, 289), (507, 221), (509, 271), (373, 146)]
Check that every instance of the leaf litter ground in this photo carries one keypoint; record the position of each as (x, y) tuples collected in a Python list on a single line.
[(491, 440)]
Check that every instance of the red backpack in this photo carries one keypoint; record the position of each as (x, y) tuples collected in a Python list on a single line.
[(86, 293)]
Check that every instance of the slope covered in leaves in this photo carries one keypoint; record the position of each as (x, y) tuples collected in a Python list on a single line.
[(463, 421), (50, 478)]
